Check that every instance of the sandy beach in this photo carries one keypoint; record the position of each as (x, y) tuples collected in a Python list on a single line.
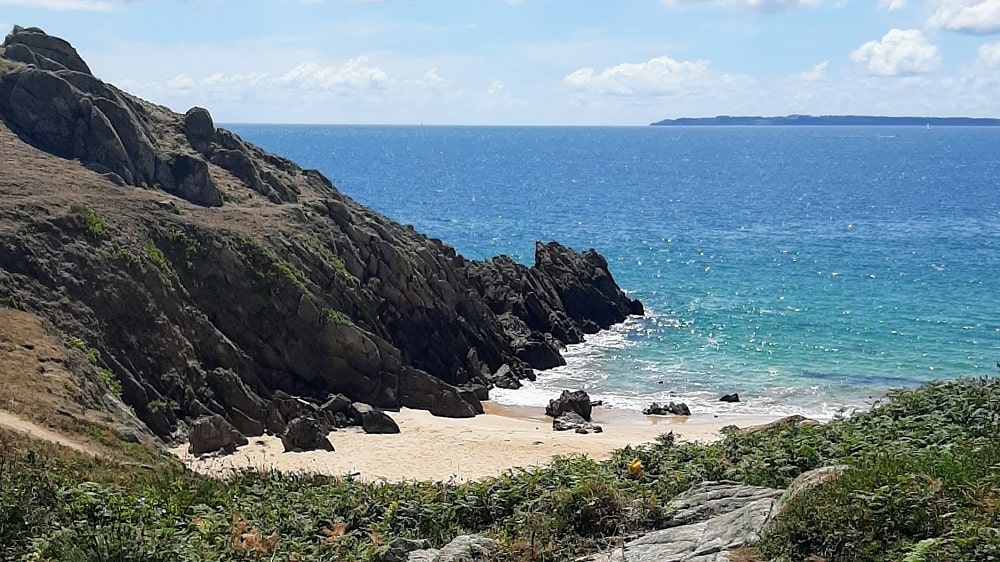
[(440, 449)]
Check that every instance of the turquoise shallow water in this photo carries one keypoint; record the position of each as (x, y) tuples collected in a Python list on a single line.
[(808, 269)]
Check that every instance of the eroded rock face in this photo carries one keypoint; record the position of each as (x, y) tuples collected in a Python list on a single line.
[(33, 46), (282, 294), (563, 296)]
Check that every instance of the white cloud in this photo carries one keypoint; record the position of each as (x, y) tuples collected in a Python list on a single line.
[(989, 54), (220, 79), (759, 6), (899, 53), (660, 76), (816, 73), (967, 16), (64, 5), (354, 74), (892, 5), (181, 82), (431, 79)]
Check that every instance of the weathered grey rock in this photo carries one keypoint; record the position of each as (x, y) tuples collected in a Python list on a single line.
[(399, 549), (709, 540), (31, 45), (571, 421), (577, 401), (787, 420), (372, 420), (464, 548), (671, 409), (712, 498), (424, 555), (199, 128), (306, 434), (212, 434), (568, 421)]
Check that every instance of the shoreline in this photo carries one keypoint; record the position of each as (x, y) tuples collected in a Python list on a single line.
[(447, 449)]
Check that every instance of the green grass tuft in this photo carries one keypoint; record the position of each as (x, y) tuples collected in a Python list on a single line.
[(335, 317), (94, 224)]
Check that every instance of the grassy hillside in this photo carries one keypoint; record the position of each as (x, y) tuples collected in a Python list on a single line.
[(923, 485)]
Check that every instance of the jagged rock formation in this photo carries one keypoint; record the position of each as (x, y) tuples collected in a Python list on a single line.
[(207, 277), (563, 296)]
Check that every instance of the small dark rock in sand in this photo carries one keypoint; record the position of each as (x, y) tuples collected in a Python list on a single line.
[(671, 409)]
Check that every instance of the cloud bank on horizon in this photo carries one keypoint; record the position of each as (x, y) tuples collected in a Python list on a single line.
[(536, 62)]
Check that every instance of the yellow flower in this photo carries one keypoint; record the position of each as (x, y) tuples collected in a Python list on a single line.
[(635, 467)]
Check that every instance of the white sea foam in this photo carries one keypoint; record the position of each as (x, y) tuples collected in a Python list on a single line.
[(587, 368)]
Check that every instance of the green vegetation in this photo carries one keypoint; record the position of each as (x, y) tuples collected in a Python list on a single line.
[(156, 406), (12, 299), (922, 485), (333, 261), (188, 244), (131, 260), (335, 317), (271, 267), (93, 357), (95, 226), (158, 258)]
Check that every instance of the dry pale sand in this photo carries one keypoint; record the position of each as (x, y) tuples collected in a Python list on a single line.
[(440, 449)]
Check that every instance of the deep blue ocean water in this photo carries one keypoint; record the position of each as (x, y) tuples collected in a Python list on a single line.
[(808, 269)]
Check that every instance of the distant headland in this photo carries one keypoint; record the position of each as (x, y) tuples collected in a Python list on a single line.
[(828, 120)]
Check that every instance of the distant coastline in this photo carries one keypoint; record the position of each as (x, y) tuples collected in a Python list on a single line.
[(827, 120)]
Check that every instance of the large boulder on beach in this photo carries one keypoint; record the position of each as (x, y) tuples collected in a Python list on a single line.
[(372, 420), (214, 433), (577, 402), (306, 434)]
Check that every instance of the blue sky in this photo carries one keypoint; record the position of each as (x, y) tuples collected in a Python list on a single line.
[(536, 62)]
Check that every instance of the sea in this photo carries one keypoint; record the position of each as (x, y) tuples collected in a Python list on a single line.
[(808, 269)]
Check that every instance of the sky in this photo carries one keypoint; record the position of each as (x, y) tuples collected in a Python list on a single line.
[(535, 62)]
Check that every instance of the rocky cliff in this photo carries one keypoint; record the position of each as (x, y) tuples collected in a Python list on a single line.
[(204, 276)]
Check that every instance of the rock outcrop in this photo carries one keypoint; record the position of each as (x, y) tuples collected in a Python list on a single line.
[(709, 522), (464, 548), (206, 277), (563, 296), (577, 402)]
